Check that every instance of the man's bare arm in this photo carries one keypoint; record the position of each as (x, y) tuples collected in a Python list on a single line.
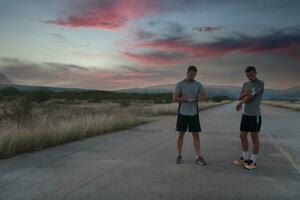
[(202, 96), (178, 98), (245, 99)]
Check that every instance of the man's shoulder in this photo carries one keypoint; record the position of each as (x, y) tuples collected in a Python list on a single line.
[(184, 82), (180, 82), (247, 82), (260, 82), (198, 83)]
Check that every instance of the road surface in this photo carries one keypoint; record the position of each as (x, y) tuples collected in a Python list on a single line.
[(139, 163)]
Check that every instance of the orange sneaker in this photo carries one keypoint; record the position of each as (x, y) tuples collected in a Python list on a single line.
[(250, 165), (241, 161)]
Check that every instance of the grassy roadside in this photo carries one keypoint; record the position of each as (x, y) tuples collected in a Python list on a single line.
[(293, 105), (54, 124)]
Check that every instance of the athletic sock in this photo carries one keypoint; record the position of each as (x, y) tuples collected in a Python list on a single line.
[(245, 155), (253, 158)]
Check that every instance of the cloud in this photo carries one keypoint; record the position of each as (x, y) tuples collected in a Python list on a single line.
[(109, 15), (143, 35), (47, 73), (284, 41), (209, 29), (59, 37), (157, 57), (69, 75), (65, 67)]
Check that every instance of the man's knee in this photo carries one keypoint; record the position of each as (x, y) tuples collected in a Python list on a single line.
[(195, 135), (243, 136), (181, 135), (254, 137)]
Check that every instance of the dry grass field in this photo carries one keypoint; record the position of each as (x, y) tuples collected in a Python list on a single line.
[(53, 123)]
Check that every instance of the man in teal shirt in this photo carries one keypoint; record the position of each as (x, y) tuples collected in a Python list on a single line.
[(187, 93), (250, 100)]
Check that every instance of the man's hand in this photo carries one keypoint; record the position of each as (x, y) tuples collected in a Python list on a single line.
[(191, 99), (239, 106)]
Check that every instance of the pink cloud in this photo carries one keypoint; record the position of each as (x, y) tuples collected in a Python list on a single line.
[(285, 41), (138, 82), (179, 52), (138, 75), (157, 58), (110, 15), (189, 49)]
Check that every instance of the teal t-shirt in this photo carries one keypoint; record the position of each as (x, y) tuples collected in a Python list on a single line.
[(192, 89), (257, 89)]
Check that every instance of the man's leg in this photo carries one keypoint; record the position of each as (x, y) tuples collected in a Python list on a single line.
[(179, 147), (244, 141), (196, 140), (255, 140), (180, 142), (245, 144), (244, 127)]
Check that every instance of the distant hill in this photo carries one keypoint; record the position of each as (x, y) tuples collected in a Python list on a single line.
[(43, 88), (292, 93), (212, 90), (230, 91), (4, 79), (154, 89), (6, 82)]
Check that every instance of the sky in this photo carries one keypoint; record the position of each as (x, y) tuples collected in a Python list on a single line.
[(118, 44)]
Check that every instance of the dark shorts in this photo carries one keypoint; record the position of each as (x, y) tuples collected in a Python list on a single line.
[(250, 123), (188, 123)]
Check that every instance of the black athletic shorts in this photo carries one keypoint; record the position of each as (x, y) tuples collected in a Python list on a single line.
[(250, 123), (188, 123)]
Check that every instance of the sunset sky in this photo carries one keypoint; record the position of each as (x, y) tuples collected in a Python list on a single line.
[(115, 44)]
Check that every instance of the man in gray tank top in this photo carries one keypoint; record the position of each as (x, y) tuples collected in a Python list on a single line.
[(250, 100), (188, 93)]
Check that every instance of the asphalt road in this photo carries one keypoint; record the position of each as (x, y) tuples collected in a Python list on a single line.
[(139, 163)]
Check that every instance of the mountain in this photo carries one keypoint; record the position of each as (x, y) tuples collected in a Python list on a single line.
[(43, 88), (153, 89), (212, 90), (6, 82), (4, 79), (215, 90), (230, 91), (292, 93)]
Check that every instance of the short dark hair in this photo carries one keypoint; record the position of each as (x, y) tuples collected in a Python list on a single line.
[(250, 69), (192, 68)]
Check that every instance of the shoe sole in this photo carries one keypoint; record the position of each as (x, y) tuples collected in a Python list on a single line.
[(181, 162), (240, 164), (200, 163), (249, 169)]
